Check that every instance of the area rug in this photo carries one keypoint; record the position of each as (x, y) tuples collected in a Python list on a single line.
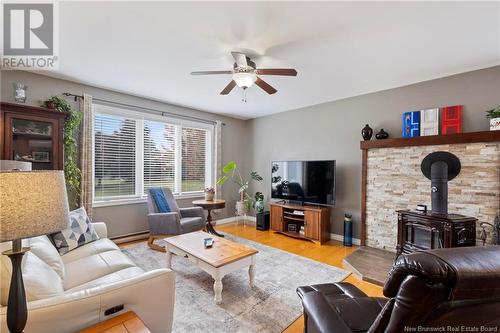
[(270, 306)]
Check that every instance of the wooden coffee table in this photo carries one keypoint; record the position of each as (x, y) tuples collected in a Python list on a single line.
[(222, 258)]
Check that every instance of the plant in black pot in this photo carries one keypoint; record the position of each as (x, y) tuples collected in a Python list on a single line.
[(259, 202), (494, 116)]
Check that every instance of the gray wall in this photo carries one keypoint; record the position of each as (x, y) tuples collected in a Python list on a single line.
[(325, 131), (126, 219), (332, 130)]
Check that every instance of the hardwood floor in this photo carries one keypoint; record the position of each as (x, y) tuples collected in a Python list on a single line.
[(330, 253)]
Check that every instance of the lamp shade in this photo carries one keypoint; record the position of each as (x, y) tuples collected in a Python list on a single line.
[(32, 203)]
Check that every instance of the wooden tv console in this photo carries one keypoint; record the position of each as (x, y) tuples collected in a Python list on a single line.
[(315, 219)]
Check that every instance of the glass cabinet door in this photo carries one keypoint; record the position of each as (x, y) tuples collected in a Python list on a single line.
[(32, 141)]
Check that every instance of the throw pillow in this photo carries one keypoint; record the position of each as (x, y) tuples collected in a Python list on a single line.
[(80, 232)]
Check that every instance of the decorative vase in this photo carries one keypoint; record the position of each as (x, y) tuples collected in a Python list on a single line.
[(495, 124), (382, 135), (209, 196), (367, 132), (240, 208), (19, 92), (259, 206)]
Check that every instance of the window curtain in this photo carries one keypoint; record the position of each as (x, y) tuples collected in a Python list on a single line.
[(86, 161), (218, 158)]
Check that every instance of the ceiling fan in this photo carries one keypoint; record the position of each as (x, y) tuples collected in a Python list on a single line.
[(245, 74)]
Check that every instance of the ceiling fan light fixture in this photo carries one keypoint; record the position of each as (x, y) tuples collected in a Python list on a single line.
[(244, 79)]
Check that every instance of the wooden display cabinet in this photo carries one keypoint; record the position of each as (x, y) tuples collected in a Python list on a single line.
[(32, 134), (314, 219)]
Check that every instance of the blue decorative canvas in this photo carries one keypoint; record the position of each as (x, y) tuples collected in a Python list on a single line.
[(411, 124)]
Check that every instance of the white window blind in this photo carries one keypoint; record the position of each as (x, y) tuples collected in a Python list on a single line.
[(114, 156), (194, 144), (159, 155), (135, 151)]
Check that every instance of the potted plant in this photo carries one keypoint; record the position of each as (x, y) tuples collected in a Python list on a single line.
[(72, 172), (494, 117), (231, 172), (209, 193), (259, 202)]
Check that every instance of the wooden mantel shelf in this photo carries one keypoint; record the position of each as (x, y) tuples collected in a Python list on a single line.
[(432, 140)]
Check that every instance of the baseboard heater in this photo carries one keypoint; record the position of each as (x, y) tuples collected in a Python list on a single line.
[(130, 237)]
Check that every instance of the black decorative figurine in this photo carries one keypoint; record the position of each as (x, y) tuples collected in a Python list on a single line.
[(382, 135), (366, 132)]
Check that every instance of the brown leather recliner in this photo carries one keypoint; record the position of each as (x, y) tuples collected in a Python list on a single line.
[(443, 289)]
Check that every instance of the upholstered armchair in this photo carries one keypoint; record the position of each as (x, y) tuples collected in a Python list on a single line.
[(177, 221)]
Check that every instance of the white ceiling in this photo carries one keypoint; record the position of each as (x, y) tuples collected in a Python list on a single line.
[(340, 49)]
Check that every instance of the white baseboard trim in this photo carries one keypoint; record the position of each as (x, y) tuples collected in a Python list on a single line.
[(130, 237), (340, 238), (234, 219), (253, 220)]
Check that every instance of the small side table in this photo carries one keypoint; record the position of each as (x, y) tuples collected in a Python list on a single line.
[(209, 206), (128, 322)]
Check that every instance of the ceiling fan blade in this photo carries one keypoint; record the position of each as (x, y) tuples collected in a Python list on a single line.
[(228, 88), (277, 71), (211, 72), (265, 86), (240, 59)]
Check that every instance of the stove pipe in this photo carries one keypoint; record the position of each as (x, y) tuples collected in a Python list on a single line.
[(439, 187), (440, 167)]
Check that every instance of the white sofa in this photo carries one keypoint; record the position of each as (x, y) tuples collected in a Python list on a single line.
[(71, 292)]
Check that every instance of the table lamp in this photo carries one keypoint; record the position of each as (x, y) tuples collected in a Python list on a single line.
[(32, 203)]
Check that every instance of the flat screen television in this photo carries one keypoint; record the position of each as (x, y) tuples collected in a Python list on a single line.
[(310, 182)]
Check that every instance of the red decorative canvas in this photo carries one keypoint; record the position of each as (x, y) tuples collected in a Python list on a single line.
[(451, 119)]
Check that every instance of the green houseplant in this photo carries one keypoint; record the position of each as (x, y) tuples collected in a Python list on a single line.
[(493, 113), (72, 172), (259, 202), (232, 172), (494, 116)]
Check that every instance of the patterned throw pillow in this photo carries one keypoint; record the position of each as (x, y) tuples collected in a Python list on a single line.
[(80, 232)]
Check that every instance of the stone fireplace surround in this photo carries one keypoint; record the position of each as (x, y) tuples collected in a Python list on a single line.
[(392, 180)]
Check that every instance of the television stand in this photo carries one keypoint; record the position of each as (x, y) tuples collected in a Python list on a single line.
[(287, 219)]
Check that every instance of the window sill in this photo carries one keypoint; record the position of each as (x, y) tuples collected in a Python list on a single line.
[(132, 201)]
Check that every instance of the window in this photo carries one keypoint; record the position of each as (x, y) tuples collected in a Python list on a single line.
[(159, 155), (193, 159), (134, 152), (114, 156)]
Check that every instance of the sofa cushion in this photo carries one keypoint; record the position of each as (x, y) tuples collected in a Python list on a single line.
[(99, 246), (40, 280), (117, 276), (43, 248), (95, 266), (80, 232)]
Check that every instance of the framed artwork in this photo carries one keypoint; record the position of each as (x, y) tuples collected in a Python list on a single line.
[(451, 119), (429, 122), (411, 124)]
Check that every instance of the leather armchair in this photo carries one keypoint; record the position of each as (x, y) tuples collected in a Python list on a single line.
[(436, 288), (177, 221)]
